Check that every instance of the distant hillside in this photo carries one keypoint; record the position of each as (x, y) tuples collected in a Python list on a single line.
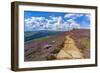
[(31, 35)]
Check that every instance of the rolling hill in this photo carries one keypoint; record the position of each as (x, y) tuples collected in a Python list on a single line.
[(47, 47)]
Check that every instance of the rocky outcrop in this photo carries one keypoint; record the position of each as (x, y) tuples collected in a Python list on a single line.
[(70, 50)]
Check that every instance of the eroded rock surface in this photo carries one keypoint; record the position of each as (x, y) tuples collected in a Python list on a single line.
[(70, 50)]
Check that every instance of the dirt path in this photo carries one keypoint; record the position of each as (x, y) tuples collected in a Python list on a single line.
[(70, 50)]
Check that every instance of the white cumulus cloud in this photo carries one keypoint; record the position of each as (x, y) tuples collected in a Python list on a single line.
[(53, 23), (73, 15)]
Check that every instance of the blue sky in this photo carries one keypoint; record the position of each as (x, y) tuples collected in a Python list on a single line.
[(58, 21)]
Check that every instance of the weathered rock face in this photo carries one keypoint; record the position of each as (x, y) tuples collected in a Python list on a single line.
[(70, 50)]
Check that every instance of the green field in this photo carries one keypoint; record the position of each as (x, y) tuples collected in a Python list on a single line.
[(29, 33)]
